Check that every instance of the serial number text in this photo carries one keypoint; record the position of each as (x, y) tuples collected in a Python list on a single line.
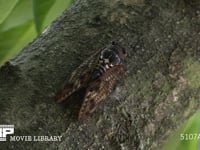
[(190, 136)]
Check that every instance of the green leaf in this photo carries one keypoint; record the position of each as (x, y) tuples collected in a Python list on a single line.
[(41, 8), (17, 29), (13, 40), (21, 13), (6, 8), (46, 11), (190, 127), (20, 18)]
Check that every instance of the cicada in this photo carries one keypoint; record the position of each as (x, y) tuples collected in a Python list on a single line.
[(97, 75)]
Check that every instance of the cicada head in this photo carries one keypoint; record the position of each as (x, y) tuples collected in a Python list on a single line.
[(113, 55), (119, 50)]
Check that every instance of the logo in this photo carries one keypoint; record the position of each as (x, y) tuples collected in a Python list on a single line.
[(9, 129), (5, 130)]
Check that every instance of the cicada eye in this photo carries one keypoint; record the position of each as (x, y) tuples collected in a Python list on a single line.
[(124, 51), (114, 60), (105, 54), (113, 43)]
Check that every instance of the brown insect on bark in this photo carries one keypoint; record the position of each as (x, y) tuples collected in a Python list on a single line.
[(97, 75)]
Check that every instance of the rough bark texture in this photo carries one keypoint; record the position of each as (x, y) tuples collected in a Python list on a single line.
[(162, 79)]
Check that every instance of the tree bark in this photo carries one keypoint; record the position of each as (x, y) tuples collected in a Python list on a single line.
[(160, 91)]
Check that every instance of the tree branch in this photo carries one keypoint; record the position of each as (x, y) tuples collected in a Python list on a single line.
[(162, 76)]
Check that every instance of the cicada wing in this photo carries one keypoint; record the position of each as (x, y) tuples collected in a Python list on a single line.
[(79, 78), (97, 91)]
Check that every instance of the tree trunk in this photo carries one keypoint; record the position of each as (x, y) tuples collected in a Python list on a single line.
[(160, 91)]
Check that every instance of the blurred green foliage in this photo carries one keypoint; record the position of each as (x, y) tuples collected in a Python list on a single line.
[(185, 138), (22, 20)]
